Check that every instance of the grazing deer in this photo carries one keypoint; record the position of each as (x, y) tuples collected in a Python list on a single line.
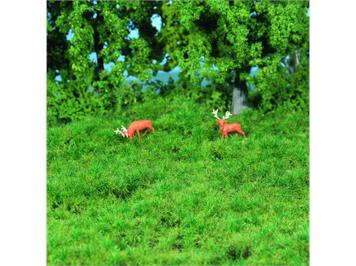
[(135, 126), (226, 128)]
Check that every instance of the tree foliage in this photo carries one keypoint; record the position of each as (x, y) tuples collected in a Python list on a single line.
[(213, 40)]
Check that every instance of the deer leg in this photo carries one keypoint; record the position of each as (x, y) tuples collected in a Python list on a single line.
[(138, 133), (237, 134), (144, 134)]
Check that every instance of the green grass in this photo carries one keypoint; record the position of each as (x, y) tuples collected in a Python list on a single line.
[(182, 195)]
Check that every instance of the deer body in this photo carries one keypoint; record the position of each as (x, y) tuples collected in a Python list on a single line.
[(227, 128), (135, 126)]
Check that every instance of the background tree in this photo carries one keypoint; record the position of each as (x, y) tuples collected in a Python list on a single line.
[(222, 40), (213, 42)]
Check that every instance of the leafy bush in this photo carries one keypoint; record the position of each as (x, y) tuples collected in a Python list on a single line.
[(64, 107)]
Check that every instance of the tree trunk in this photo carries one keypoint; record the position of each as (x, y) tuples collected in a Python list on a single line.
[(239, 98), (98, 45), (97, 48), (294, 62)]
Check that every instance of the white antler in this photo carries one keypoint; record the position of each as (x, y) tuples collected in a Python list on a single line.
[(227, 115), (215, 113), (123, 131)]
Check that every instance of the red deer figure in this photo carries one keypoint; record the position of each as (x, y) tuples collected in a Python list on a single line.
[(135, 126), (226, 128)]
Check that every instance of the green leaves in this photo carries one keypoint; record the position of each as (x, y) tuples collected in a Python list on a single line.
[(287, 25), (247, 34), (214, 41)]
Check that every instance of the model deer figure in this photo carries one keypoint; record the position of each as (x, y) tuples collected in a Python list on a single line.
[(226, 128), (135, 126)]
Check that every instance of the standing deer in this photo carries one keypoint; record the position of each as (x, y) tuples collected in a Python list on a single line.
[(135, 126), (226, 128)]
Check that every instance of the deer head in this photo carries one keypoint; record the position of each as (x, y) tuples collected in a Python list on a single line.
[(222, 120), (122, 132)]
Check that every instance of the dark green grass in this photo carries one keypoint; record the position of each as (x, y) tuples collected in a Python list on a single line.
[(182, 195)]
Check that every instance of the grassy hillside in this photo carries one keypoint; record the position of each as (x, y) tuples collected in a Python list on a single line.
[(181, 195)]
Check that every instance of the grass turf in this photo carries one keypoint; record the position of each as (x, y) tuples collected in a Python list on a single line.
[(181, 195)]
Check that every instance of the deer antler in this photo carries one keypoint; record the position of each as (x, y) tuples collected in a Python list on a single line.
[(227, 115), (215, 113), (123, 131)]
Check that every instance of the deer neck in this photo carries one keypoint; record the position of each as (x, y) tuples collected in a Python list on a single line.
[(222, 125)]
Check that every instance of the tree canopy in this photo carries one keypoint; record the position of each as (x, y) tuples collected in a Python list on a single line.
[(213, 40)]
